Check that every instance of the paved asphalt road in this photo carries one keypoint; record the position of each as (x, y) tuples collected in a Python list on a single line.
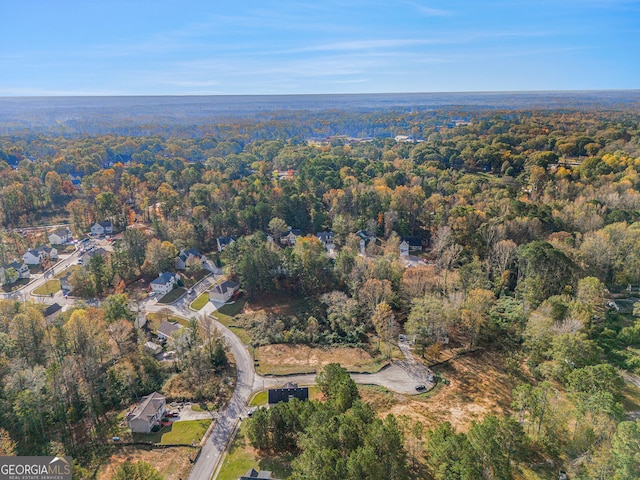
[(401, 376)]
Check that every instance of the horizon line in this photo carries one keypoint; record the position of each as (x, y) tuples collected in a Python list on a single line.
[(463, 92)]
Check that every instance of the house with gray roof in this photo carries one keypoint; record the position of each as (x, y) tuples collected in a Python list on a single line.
[(165, 282), (60, 236), (167, 329), (185, 255), (148, 414), (223, 291)]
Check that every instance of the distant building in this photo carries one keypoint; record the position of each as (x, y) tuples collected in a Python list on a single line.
[(165, 282), (224, 291), (37, 255), (102, 228), (148, 413), (287, 392), (167, 329), (52, 311), (327, 240), (414, 243), (253, 473), (21, 271), (153, 348), (404, 249), (185, 255), (289, 238), (365, 240), (87, 256), (60, 236), (223, 242)]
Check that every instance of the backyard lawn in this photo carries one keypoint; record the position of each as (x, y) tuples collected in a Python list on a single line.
[(49, 287), (172, 296), (186, 433), (200, 302)]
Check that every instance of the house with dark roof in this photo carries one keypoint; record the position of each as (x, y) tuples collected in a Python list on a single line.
[(414, 243), (253, 473), (165, 282), (37, 255), (148, 414), (365, 239), (287, 392), (60, 236), (102, 228), (21, 271), (186, 255), (223, 291), (327, 240), (167, 329), (52, 311), (223, 242)]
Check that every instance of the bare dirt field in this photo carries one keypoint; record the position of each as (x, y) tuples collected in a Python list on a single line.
[(283, 359), (173, 463), (478, 387)]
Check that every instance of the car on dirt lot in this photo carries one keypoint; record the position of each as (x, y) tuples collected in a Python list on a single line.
[(420, 388)]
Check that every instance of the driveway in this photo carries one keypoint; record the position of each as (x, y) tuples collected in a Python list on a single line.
[(187, 413)]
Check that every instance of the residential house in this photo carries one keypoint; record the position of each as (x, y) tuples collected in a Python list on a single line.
[(87, 256), (365, 239), (165, 282), (37, 255), (404, 249), (148, 414), (60, 236), (51, 312), (153, 348), (21, 271), (223, 291), (291, 236), (166, 330), (415, 243), (327, 240), (287, 392), (185, 255), (102, 228), (224, 241), (253, 473)]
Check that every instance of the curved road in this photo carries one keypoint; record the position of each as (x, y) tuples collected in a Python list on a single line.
[(401, 376)]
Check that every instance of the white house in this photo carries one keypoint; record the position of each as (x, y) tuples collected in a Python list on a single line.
[(60, 236), (37, 255), (404, 249), (21, 271), (148, 413), (165, 282), (102, 228), (224, 241), (365, 239), (185, 255), (224, 291)]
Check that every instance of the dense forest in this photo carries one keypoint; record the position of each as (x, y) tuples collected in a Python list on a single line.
[(529, 222)]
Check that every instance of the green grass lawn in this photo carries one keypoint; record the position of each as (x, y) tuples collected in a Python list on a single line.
[(172, 296), (203, 407), (225, 316), (259, 399), (184, 433), (49, 287), (200, 302), (241, 457)]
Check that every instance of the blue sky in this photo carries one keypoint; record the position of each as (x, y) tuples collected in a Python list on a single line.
[(167, 47)]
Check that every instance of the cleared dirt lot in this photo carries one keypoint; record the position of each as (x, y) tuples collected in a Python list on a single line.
[(478, 387), (288, 359), (173, 463)]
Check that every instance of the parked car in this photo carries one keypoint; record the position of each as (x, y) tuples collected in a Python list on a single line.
[(420, 388)]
